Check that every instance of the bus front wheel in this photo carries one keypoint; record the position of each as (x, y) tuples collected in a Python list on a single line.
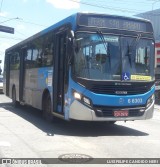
[(47, 108)]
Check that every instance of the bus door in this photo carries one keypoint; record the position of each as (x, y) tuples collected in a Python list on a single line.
[(59, 83), (22, 74)]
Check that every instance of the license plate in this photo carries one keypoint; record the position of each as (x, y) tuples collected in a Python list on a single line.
[(121, 113)]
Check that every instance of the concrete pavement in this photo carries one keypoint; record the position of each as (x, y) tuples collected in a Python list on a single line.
[(157, 107)]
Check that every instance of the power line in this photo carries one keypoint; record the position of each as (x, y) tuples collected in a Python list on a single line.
[(16, 18), (107, 7), (22, 20), (126, 2), (20, 33), (101, 4), (33, 23), (10, 38)]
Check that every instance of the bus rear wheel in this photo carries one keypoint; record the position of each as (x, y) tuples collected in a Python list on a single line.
[(14, 101), (47, 108)]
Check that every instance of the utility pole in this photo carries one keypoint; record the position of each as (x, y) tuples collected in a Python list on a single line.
[(154, 3)]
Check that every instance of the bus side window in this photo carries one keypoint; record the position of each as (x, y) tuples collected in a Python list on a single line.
[(15, 61), (12, 62), (34, 58), (39, 58), (37, 52), (28, 60), (47, 57)]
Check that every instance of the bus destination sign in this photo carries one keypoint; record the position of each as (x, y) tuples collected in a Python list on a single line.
[(113, 23)]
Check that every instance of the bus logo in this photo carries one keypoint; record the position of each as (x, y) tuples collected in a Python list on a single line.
[(121, 101), (121, 92)]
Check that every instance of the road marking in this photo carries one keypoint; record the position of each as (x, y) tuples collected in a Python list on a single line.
[(5, 144)]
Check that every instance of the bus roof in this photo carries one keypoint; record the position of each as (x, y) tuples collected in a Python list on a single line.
[(72, 20)]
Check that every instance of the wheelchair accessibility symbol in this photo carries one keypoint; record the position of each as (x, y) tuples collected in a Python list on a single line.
[(126, 76)]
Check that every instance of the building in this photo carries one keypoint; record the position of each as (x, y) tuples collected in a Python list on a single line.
[(157, 62), (154, 17)]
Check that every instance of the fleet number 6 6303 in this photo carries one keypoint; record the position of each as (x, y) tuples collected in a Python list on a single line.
[(135, 100)]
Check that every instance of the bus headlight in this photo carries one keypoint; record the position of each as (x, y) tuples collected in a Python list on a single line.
[(77, 95), (83, 99), (150, 100), (87, 101)]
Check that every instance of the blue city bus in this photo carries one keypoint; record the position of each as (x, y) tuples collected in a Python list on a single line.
[(90, 67)]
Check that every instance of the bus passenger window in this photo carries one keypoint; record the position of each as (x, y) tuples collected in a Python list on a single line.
[(39, 60), (28, 59), (37, 52), (34, 58), (15, 61), (47, 56), (12, 62)]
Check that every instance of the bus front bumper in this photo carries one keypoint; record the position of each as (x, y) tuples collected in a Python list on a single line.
[(78, 111)]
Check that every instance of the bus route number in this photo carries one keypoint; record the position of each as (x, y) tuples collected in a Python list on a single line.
[(135, 101)]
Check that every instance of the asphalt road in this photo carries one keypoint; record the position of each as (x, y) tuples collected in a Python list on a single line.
[(24, 134)]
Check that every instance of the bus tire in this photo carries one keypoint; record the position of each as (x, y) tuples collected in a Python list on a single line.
[(47, 115), (14, 101)]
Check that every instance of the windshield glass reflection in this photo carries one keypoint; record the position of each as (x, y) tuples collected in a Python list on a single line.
[(137, 56), (95, 59), (108, 57)]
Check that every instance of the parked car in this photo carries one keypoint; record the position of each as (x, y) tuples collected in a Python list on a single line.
[(1, 84)]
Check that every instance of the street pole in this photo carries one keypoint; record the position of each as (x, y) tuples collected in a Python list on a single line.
[(154, 3)]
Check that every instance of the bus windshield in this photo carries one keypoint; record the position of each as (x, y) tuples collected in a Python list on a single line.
[(107, 57)]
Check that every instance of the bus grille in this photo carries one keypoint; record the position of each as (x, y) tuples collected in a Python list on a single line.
[(109, 111), (119, 89)]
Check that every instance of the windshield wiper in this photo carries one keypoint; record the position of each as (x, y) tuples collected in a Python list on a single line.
[(135, 42), (130, 48), (129, 54), (105, 45)]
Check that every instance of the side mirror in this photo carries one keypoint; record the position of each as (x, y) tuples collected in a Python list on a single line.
[(72, 33)]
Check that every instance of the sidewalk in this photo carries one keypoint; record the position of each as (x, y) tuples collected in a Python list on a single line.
[(157, 107)]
